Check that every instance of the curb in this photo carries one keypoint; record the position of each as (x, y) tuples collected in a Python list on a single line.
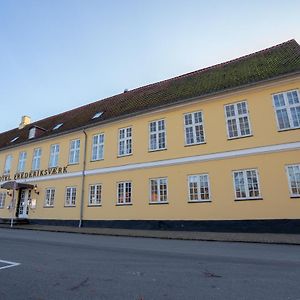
[(260, 238)]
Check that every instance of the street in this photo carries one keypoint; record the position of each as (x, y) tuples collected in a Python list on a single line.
[(49, 265)]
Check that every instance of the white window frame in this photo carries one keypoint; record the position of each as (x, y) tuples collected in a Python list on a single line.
[(49, 197), (95, 202), (247, 191), (193, 126), (22, 161), (122, 200), (98, 148), (31, 133), (54, 155), (126, 140), (70, 196), (159, 194), (2, 199), (288, 108), (237, 117), (36, 159), (7, 165), (157, 132), (199, 187), (74, 152), (292, 194)]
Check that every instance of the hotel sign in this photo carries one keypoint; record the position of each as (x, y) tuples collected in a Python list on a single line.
[(33, 174)]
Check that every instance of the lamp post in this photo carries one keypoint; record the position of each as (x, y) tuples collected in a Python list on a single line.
[(13, 204)]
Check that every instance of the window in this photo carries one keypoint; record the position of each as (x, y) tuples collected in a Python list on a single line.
[(70, 199), (57, 126), (158, 190), (193, 127), (54, 154), (246, 184), (237, 119), (157, 135), (287, 108), (74, 152), (97, 115), (98, 147), (32, 132), (293, 172), (49, 197), (22, 161), (125, 141), (7, 166), (199, 188), (14, 139), (124, 192), (36, 159), (95, 194), (2, 199)]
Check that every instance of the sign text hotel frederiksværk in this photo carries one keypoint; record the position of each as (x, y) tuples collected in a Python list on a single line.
[(37, 173)]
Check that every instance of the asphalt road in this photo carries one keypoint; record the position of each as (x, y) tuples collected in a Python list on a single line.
[(76, 266)]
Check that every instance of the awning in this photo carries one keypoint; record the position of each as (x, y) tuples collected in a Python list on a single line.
[(10, 185)]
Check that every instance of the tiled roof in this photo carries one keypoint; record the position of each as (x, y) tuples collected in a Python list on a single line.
[(267, 64)]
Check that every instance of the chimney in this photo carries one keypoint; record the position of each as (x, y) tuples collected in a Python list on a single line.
[(24, 121)]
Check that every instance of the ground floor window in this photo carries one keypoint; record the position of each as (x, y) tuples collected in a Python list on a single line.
[(70, 199), (95, 194), (246, 184), (158, 190), (199, 188), (293, 172), (124, 192), (2, 200), (49, 197)]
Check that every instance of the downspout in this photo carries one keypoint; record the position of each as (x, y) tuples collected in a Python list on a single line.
[(83, 179)]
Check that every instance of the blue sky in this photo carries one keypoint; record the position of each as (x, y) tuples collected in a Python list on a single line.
[(59, 54)]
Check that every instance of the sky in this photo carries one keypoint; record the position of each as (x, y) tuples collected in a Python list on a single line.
[(56, 55)]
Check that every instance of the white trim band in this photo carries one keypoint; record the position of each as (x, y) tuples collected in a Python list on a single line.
[(176, 161)]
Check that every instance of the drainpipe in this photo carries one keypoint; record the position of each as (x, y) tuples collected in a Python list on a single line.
[(83, 179)]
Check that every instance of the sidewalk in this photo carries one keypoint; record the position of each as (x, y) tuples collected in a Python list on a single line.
[(268, 238)]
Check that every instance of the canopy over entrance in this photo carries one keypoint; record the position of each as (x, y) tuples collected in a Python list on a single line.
[(10, 185)]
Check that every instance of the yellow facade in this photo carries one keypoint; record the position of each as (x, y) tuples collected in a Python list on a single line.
[(267, 149)]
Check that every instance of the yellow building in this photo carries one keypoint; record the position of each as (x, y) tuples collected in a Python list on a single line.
[(215, 149)]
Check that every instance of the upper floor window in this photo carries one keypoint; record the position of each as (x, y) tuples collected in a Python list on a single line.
[(2, 199), (74, 151), (287, 108), (54, 155), (70, 199), (36, 159), (199, 188), (237, 119), (124, 192), (157, 138), (49, 197), (246, 184), (22, 161), (193, 127), (125, 141), (97, 115), (293, 172), (98, 146), (95, 194), (32, 132), (7, 166), (159, 190)]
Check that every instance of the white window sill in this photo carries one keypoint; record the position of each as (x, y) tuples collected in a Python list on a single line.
[(248, 199), (155, 150), (124, 204), (239, 137), (161, 202), (199, 201)]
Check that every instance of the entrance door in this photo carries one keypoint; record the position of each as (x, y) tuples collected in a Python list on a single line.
[(25, 196)]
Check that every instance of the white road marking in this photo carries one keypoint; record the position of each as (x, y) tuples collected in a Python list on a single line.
[(9, 264)]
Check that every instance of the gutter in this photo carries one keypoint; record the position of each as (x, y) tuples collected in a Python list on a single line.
[(83, 179)]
